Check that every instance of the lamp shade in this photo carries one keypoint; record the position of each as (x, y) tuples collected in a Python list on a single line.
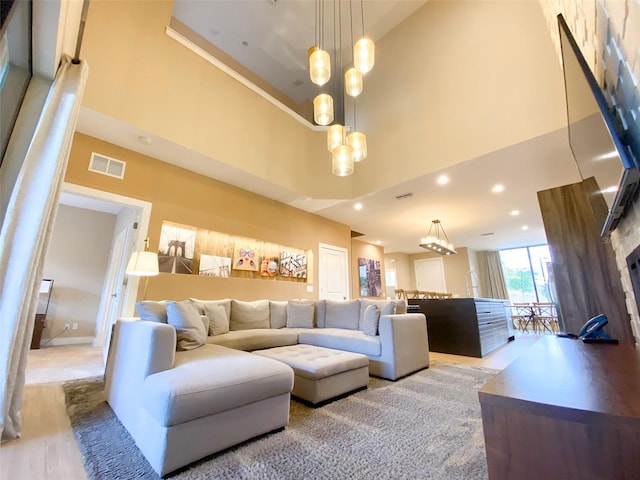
[(335, 137), (143, 264), (319, 65), (358, 141), (323, 109), (353, 82), (343, 161), (364, 54)]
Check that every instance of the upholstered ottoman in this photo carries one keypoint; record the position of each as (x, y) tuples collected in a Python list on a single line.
[(321, 373)]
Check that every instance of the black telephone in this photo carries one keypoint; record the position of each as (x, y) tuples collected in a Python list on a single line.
[(594, 328)]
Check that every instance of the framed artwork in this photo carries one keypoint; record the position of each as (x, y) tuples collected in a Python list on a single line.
[(293, 264), (214, 266), (246, 257), (269, 266), (175, 252), (370, 278)]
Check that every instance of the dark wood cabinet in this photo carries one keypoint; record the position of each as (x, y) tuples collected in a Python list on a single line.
[(465, 326), (564, 409)]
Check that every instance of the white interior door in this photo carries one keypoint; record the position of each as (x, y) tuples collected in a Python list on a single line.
[(333, 272), (430, 275), (110, 305)]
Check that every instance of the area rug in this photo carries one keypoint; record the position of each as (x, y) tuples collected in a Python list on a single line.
[(425, 426)]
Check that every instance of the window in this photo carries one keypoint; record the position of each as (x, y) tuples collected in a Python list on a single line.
[(527, 273)]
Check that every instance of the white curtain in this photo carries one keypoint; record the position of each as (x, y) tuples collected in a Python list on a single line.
[(26, 232), (497, 287)]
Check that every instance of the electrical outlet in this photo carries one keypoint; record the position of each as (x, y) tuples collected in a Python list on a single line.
[(74, 326), (67, 326)]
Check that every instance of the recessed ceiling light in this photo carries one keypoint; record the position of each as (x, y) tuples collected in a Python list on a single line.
[(442, 180), (515, 212), (358, 206), (498, 188), (144, 140), (524, 227), (378, 242)]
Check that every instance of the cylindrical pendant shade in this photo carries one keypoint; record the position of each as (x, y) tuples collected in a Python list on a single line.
[(358, 141), (143, 264), (343, 161), (353, 82), (323, 109), (364, 54), (335, 137), (319, 65)]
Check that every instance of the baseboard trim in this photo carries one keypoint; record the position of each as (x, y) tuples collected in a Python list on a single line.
[(56, 342)]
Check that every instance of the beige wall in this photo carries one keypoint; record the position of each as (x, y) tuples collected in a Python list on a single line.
[(455, 269), (142, 77), (401, 264), (77, 262), (366, 250), (456, 80), (185, 197), (467, 70)]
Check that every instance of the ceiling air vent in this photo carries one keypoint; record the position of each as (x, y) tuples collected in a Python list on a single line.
[(107, 166), (404, 195)]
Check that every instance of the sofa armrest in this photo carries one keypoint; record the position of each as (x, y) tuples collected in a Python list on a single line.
[(404, 342), (138, 349)]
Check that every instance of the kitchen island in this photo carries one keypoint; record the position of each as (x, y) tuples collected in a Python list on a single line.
[(472, 327)]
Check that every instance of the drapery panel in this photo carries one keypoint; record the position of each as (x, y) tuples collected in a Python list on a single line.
[(26, 232), (497, 287)]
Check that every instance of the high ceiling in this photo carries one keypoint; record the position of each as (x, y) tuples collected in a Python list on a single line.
[(472, 215)]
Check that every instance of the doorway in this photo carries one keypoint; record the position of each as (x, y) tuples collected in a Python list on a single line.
[(118, 295)]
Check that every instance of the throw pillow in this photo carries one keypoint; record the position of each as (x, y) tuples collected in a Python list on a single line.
[(185, 318), (386, 307), (299, 314), (218, 321), (248, 315), (278, 314), (226, 303), (152, 311), (342, 314), (370, 320)]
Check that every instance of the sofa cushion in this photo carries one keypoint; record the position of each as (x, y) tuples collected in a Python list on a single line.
[(256, 339), (212, 379), (341, 339), (299, 314), (248, 315), (342, 314), (320, 307), (152, 311), (278, 314), (226, 304), (370, 319), (218, 320), (401, 306), (190, 329)]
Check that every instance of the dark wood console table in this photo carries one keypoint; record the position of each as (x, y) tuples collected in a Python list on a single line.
[(564, 410)]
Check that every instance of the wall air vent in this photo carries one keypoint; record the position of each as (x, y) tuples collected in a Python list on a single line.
[(488, 234), (404, 195), (107, 166)]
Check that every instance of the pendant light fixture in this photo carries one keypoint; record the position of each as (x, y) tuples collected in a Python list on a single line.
[(323, 109), (437, 240), (319, 59), (345, 149)]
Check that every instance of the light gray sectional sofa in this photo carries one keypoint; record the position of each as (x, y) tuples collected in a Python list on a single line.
[(182, 381)]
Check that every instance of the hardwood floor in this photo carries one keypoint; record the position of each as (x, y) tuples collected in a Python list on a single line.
[(47, 449)]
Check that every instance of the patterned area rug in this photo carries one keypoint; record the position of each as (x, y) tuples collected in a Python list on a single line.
[(425, 426)]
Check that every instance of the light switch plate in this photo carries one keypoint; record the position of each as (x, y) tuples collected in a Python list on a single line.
[(309, 288)]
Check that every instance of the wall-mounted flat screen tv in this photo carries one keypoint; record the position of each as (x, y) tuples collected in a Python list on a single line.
[(595, 136)]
